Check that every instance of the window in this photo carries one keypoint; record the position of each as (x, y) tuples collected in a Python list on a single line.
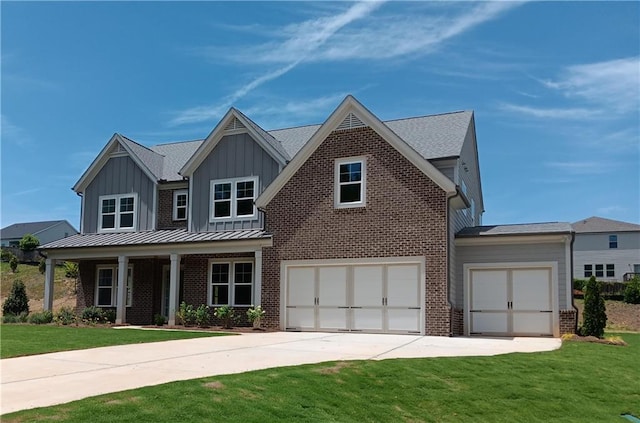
[(233, 198), (231, 283), (107, 286), (350, 182), (588, 270), (613, 241), (180, 201), (117, 213), (599, 270), (611, 271)]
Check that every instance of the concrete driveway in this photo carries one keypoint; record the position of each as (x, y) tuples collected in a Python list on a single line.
[(56, 378)]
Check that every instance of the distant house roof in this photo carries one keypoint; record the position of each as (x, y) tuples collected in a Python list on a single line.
[(596, 224), (433, 137), (18, 230), (516, 229)]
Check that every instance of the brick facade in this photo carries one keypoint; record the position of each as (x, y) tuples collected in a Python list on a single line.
[(165, 210), (405, 215), (568, 321)]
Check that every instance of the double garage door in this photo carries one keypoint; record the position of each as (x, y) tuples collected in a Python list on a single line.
[(511, 301), (373, 297)]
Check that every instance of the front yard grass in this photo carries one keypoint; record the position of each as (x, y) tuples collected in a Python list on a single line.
[(581, 382), (18, 339)]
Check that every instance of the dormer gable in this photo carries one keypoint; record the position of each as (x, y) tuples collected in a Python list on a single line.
[(234, 122)]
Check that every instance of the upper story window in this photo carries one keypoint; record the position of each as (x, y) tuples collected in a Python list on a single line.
[(613, 241), (233, 198), (180, 201), (117, 213), (350, 182)]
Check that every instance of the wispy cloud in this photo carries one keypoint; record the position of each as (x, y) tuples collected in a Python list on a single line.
[(550, 113), (13, 133), (308, 108), (329, 39), (611, 209), (581, 167)]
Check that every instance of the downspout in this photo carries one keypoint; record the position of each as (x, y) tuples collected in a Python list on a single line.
[(79, 194), (448, 261), (573, 305)]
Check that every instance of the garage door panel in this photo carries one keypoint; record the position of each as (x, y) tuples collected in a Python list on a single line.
[(301, 318), (489, 290), (403, 320), (531, 289), (489, 323), (403, 289), (367, 286), (301, 287), (533, 323), (332, 318), (368, 319), (332, 286)]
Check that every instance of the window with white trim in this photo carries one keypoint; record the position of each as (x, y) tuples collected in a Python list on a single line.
[(180, 203), (350, 182), (107, 286), (599, 270), (117, 213), (611, 270), (613, 241), (233, 198), (588, 270), (231, 283)]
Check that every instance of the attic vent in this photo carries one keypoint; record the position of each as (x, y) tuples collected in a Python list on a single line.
[(119, 148), (350, 122), (234, 124)]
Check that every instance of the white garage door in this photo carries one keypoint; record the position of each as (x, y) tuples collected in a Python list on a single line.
[(376, 297), (510, 301)]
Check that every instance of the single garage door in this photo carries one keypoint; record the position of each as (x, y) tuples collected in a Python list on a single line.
[(376, 297), (511, 301)]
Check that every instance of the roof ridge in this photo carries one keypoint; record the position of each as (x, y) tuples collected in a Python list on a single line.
[(138, 144), (177, 142), (426, 116)]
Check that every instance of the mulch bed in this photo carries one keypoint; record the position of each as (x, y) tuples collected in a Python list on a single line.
[(241, 329), (607, 341)]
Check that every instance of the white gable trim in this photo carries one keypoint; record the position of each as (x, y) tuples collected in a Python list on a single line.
[(102, 159), (351, 106), (218, 133)]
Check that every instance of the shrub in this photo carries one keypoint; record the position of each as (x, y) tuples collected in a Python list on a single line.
[(202, 316), (41, 317), (186, 314), (93, 315), (594, 315), (632, 291), (226, 314), (578, 284), (71, 269), (15, 318), (109, 315), (5, 255), (29, 243), (255, 313), (66, 316), (17, 302), (13, 263), (159, 320)]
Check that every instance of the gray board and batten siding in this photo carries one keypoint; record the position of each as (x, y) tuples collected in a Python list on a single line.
[(235, 156), (120, 175)]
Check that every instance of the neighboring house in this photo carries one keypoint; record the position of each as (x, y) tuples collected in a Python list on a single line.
[(46, 232), (345, 226), (607, 249)]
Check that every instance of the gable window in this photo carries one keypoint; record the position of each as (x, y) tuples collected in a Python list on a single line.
[(180, 201), (350, 182), (107, 286), (233, 198), (117, 212), (588, 270), (613, 241), (231, 283)]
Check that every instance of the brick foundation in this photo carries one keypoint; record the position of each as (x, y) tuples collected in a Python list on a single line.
[(568, 321), (457, 322)]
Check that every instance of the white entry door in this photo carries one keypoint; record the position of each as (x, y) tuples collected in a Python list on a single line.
[(375, 297)]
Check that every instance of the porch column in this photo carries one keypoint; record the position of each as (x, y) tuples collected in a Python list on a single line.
[(257, 278), (174, 287), (49, 273), (121, 301)]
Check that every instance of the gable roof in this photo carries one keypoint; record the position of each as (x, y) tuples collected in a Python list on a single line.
[(233, 118), (175, 156), (18, 230), (596, 224), (348, 108)]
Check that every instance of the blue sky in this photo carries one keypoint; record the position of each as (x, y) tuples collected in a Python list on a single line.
[(555, 87)]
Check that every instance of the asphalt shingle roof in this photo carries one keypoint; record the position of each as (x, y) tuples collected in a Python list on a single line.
[(18, 230), (516, 229), (596, 224), (175, 156), (152, 160)]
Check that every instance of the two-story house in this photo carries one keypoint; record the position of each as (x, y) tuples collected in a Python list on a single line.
[(353, 225), (607, 249)]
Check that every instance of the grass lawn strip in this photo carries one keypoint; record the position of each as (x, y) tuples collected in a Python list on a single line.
[(581, 382), (19, 340)]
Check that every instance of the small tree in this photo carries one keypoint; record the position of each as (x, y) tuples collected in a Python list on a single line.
[(71, 269), (594, 316), (632, 291), (29, 243), (13, 263), (17, 302)]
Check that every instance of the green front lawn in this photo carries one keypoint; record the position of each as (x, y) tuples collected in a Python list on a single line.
[(18, 340), (581, 382)]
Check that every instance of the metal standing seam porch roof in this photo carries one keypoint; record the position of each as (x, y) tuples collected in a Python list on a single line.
[(159, 237)]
